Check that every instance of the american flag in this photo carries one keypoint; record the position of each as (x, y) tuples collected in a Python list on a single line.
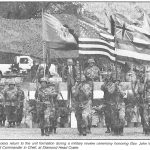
[(94, 40)]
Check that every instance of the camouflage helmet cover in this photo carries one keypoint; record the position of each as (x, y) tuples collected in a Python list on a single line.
[(43, 80), (11, 82), (91, 60)]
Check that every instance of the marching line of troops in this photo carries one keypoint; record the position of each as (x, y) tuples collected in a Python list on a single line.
[(81, 94), (11, 104)]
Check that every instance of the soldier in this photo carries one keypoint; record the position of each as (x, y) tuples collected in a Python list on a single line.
[(2, 108), (114, 106), (145, 109), (118, 110), (107, 110), (20, 105), (45, 107), (54, 112), (92, 72), (11, 97), (83, 105)]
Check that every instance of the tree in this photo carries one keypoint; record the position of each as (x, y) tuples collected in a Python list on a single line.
[(27, 10)]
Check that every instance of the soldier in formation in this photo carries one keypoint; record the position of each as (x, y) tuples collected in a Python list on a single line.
[(83, 105), (114, 106), (92, 72), (107, 110), (2, 107), (21, 98), (11, 99), (144, 97), (46, 107)]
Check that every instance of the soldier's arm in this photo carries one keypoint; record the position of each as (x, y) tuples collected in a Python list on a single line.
[(36, 94)]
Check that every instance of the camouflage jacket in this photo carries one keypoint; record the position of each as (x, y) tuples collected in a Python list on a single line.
[(11, 96), (21, 96), (82, 92), (92, 73)]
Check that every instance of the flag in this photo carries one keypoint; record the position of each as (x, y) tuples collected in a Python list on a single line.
[(122, 30), (56, 34), (145, 26), (95, 41), (125, 30), (130, 45), (127, 51)]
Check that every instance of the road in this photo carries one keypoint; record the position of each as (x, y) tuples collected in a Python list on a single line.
[(68, 133)]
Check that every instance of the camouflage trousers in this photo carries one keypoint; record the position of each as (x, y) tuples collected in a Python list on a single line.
[(84, 117), (144, 110), (114, 115), (11, 113), (2, 115), (19, 114), (47, 117)]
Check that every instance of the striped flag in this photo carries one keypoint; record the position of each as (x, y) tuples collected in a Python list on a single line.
[(95, 40)]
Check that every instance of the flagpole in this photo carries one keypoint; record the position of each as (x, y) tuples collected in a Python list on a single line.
[(114, 28), (43, 45)]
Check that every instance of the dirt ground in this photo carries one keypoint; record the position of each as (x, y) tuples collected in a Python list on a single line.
[(69, 133)]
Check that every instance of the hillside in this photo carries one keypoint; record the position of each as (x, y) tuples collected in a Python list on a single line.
[(25, 36)]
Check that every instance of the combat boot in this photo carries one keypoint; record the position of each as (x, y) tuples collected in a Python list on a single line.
[(88, 130), (42, 132), (9, 125), (46, 132), (3, 123), (121, 131), (54, 130), (108, 130), (84, 131), (50, 130)]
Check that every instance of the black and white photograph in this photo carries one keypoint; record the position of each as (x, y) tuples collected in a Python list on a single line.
[(72, 70)]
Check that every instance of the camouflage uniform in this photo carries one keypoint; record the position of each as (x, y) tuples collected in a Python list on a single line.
[(11, 96), (118, 111), (2, 108), (114, 107), (46, 109), (20, 106), (107, 110), (145, 109), (83, 106), (92, 73)]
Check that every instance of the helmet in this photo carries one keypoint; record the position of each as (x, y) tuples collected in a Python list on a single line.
[(44, 80), (52, 81), (11, 82), (18, 84), (70, 60), (91, 60)]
